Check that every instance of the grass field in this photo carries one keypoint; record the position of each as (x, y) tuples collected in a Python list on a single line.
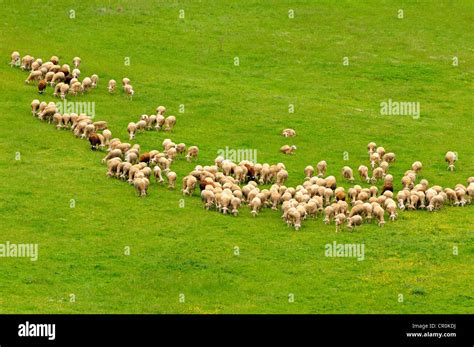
[(283, 61)]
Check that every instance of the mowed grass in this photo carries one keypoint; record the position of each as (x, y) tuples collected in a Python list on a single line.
[(190, 61)]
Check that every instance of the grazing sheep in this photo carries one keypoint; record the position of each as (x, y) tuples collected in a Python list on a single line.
[(309, 172), (160, 110), (364, 173), (34, 76), (288, 132), (107, 136), (57, 77), (115, 153), (125, 82), (129, 90), (281, 177), (170, 123), (26, 62), (171, 179), (42, 86), (354, 221), (235, 203), (378, 212), (76, 73), (100, 125), (86, 84), (339, 219), (76, 87), (322, 167), (15, 59), (111, 86), (64, 89), (95, 141), (374, 159), (377, 174), (193, 152), (189, 185), (141, 185), (131, 129), (371, 148), (389, 157), (450, 158), (286, 149), (54, 59), (95, 80), (157, 174), (76, 62), (416, 166), (35, 106), (348, 174), (255, 205)]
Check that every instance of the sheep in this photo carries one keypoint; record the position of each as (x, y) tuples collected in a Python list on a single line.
[(281, 177), (141, 185), (354, 221), (111, 86), (42, 86), (322, 167), (389, 157), (35, 106), (235, 203), (94, 140), (435, 203), (189, 185), (208, 197), (57, 77), (76, 87), (255, 204), (112, 165), (131, 129), (115, 153), (94, 80), (380, 151), (288, 132), (54, 59), (391, 208), (364, 173), (86, 84), (34, 76), (64, 89), (141, 125), (339, 219), (26, 62), (160, 110), (107, 136), (76, 73), (308, 171), (125, 82), (450, 158), (378, 212), (348, 174), (329, 214), (416, 167), (15, 59), (286, 149), (374, 159), (157, 174), (193, 152), (100, 125), (129, 90), (76, 61), (170, 123), (371, 148), (377, 174), (171, 179)]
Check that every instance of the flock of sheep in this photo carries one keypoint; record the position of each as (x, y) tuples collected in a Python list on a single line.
[(319, 194), (60, 77), (226, 186)]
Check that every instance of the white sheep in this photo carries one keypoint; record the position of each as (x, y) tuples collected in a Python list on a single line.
[(111, 86), (15, 59), (450, 158), (129, 90), (76, 62)]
